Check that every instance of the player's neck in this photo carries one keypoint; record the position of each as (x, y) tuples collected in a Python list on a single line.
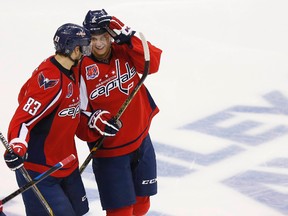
[(66, 62)]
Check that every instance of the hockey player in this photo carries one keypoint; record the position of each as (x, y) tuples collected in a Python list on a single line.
[(125, 165), (41, 132)]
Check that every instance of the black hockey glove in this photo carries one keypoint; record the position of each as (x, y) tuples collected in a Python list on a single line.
[(118, 30), (15, 159)]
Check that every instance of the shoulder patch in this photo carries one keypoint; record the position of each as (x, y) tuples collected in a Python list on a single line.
[(92, 71), (47, 83)]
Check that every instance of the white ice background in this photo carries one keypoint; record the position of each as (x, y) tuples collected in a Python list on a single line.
[(222, 88)]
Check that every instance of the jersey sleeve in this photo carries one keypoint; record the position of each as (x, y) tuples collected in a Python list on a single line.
[(136, 54), (37, 98), (84, 132)]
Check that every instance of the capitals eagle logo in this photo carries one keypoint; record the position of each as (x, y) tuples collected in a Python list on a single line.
[(47, 83)]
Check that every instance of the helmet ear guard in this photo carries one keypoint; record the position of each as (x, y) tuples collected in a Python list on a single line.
[(86, 50)]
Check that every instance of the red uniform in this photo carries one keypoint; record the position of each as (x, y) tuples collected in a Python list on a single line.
[(47, 117), (106, 85)]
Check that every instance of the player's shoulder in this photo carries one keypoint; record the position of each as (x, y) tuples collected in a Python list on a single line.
[(48, 68), (86, 60), (46, 75), (87, 63)]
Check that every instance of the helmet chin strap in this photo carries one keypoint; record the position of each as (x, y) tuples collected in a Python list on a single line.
[(75, 61)]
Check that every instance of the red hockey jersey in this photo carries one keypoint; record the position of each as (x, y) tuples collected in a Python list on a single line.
[(47, 117), (107, 85)]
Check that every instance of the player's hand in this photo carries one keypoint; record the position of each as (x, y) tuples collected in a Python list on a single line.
[(15, 159), (104, 123), (118, 30)]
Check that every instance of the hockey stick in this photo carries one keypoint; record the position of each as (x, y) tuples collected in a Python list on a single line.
[(38, 178), (28, 179), (126, 102)]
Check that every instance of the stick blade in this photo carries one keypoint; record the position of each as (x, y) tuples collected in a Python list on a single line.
[(145, 47)]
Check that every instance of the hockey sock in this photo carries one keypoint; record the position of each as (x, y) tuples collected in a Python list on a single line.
[(141, 206)]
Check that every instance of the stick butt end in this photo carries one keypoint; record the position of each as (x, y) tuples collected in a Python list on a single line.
[(68, 159)]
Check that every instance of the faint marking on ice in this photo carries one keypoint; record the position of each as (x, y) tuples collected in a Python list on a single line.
[(278, 162), (268, 184), (240, 132), (154, 213), (266, 187), (172, 169)]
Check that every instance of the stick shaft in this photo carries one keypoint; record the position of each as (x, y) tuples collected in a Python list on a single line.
[(39, 178), (28, 179)]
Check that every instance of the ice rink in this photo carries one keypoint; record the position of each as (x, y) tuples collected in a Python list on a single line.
[(221, 136)]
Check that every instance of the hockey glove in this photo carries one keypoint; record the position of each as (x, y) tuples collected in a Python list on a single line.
[(15, 159), (104, 123), (120, 32)]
